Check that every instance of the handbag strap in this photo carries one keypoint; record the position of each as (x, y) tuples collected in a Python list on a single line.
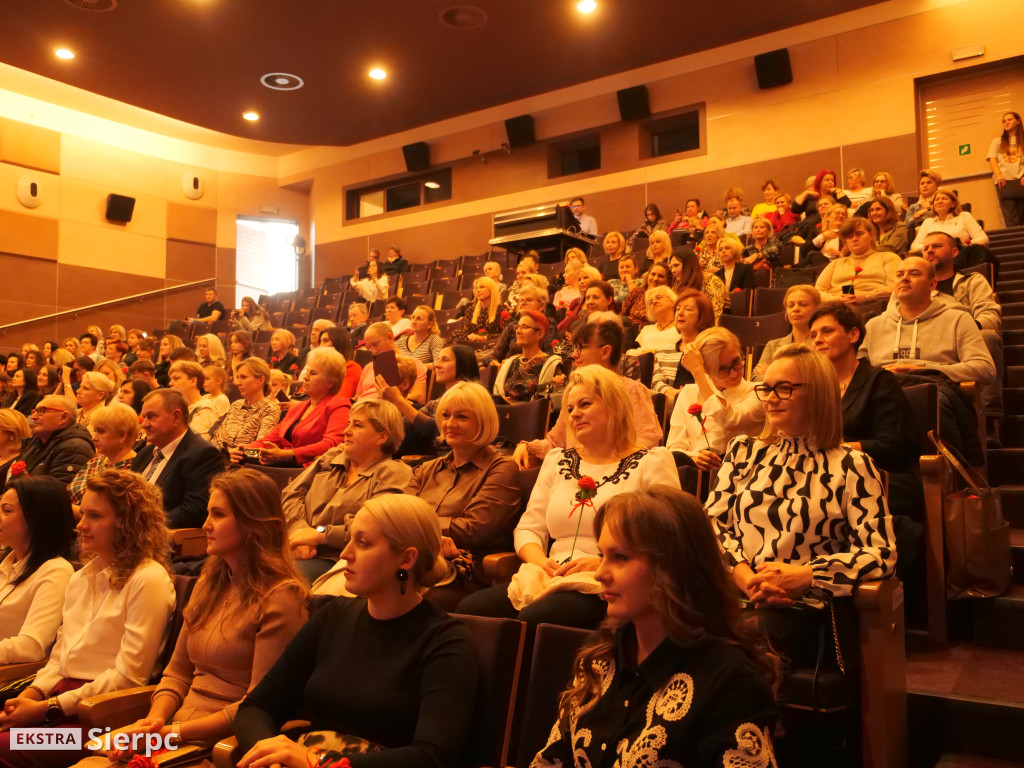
[(971, 476)]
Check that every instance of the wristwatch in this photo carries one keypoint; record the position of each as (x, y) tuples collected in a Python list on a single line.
[(53, 710), (323, 530)]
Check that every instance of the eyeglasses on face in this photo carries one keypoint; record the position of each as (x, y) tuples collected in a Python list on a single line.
[(735, 365), (41, 410), (783, 390)]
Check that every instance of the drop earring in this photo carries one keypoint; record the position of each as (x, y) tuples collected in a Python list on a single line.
[(403, 576)]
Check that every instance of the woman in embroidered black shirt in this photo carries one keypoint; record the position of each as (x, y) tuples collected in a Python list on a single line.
[(670, 678)]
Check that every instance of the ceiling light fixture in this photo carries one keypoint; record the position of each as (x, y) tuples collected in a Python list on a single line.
[(378, 74), (431, 185), (586, 6), (251, 116), (64, 53)]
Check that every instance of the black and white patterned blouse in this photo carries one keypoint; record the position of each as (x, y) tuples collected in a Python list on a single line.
[(680, 708), (783, 502)]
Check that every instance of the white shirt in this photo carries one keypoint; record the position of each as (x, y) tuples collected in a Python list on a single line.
[(727, 414), (202, 415), (30, 612), (546, 519), (167, 451), (111, 638), (401, 326), (650, 337)]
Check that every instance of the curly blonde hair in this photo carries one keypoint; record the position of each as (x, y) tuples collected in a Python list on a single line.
[(140, 531)]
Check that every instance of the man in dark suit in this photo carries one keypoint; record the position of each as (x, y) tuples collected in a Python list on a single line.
[(176, 459)]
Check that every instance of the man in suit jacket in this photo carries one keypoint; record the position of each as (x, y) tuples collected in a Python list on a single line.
[(176, 459)]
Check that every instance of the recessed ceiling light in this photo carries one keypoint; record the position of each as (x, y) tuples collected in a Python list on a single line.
[(431, 185), (251, 116), (64, 53), (586, 6), (378, 74)]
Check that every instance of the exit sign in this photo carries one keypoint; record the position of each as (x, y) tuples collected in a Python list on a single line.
[(965, 149)]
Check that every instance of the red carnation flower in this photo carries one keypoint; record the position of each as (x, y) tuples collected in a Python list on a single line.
[(18, 469), (294, 367), (858, 270), (587, 483), (274, 359), (695, 410), (505, 315), (141, 761)]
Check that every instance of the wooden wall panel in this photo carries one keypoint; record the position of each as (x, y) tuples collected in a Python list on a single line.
[(897, 155), (87, 245), (190, 261), (36, 287), (25, 235), (80, 285), (226, 273), (197, 225), (86, 203), (29, 146)]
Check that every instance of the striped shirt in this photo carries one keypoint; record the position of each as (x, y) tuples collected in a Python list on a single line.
[(244, 423)]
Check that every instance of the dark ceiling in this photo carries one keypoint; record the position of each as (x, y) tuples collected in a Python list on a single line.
[(201, 61)]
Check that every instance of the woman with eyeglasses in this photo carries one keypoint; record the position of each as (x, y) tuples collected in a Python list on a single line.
[(802, 518), (728, 406), (529, 374)]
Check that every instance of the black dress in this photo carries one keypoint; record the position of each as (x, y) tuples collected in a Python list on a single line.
[(706, 705)]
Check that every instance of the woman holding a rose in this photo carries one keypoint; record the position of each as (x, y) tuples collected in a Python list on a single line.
[(555, 538)]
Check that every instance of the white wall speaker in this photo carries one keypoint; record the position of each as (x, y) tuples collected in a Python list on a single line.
[(30, 191), (192, 185)]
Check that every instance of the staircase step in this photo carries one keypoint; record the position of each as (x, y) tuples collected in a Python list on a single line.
[(1014, 376), (1013, 511), (999, 621), (1011, 431), (1017, 553), (1011, 296), (1014, 338), (1012, 308), (1013, 399), (967, 725), (961, 760), (1004, 467), (1012, 323), (1013, 355)]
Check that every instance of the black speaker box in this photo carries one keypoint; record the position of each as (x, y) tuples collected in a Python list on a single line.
[(120, 208), (773, 69), (520, 131), (417, 156), (633, 103)]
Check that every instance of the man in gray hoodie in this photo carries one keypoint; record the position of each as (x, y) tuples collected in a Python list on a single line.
[(921, 337), (919, 331)]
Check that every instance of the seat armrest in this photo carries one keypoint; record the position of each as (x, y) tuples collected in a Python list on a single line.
[(501, 566), (115, 709), (223, 753), (188, 542), (11, 672)]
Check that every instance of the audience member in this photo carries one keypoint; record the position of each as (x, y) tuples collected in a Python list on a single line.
[(862, 274), (614, 247), (338, 338), (693, 220), (856, 190), (892, 232), (736, 223), (473, 489), (707, 249), (556, 582), (626, 278), (59, 446), (211, 310), (531, 373), (527, 265), (115, 614), (358, 317), (763, 249), (799, 302), (769, 189), (927, 185), (634, 308), (87, 344), (734, 274), (26, 385), (661, 332), (532, 298), (688, 273), (372, 286), (316, 330), (247, 606), (948, 216), (423, 340), (251, 317), (319, 504), (837, 528), (252, 416), (717, 407), (313, 426), (484, 318), (414, 701), (394, 314), (14, 431), (188, 379), (659, 248), (168, 344), (824, 185), (47, 380), (673, 633), (36, 529), (240, 347), (693, 314), (1004, 157), (132, 393), (380, 338), (144, 371), (492, 269), (570, 292), (281, 356), (115, 430), (396, 264), (587, 224), (175, 459), (209, 351), (215, 382)]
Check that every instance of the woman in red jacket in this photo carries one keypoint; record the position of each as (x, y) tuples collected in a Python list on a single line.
[(311, 427)]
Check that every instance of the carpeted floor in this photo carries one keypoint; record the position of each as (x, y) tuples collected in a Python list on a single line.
[(967, 670)]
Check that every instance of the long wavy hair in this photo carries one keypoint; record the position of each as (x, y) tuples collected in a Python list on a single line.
[(140, 531), (691, 591), (266, 559), (1004, 138)]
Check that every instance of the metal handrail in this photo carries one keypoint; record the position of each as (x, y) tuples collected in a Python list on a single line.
[(134, 297)]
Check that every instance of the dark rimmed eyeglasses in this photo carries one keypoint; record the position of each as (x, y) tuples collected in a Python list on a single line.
[(41, 410), (735, 365), (783, 390)]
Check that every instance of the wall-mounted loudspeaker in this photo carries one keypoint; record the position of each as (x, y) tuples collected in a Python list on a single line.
[(417, 156), (633, 103), (29, 192), (520, 131), (192, 185), (120, 208), (773, 69)]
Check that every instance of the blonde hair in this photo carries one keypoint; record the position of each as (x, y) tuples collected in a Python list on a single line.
[(653, 293), (331, 364), (735, 247), (661, 236), (812, 293), (575, 254), (710, 343), (957, 209), (214, 371), (191, 371), (109, 365), (99, 382), (472, 396), (118, 418), (617, 237), (384, 417), (61, 356), (531, 290), (591, 272), (406, 521), (494, 306), (487, 264), (537, 279), (16, 425), (607, 386), (217, 354), (258, 367), (176, 343), (822, 399), (763, 222), (434, 329), (288, 336)]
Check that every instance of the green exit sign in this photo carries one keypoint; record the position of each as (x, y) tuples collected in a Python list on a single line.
[(965, 149)]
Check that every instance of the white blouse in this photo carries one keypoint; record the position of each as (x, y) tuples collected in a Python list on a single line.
[(784, 502), (650, 337), (30, 612), (731, 413), (547, 517), (963, 226), (110, 637)]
